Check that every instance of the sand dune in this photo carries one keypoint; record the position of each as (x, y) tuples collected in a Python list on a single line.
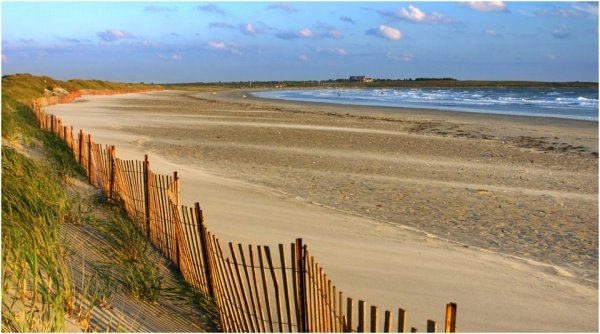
[(408, 210)]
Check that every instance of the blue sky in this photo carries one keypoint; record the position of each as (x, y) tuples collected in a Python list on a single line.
[(250, 41)]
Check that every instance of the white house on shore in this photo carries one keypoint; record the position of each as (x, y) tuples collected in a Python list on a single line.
[(360, 78)]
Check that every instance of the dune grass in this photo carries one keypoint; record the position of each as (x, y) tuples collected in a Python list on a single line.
[(37, 288), (136, 261)]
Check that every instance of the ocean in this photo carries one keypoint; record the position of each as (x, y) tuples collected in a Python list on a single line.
[(569, 103)]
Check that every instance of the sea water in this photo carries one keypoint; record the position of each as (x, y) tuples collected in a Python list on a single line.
[(570, 103)]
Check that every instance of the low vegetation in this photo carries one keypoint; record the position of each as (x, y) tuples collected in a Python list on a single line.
[(135, 259), (35, 282), (37, 288), (383, 83)]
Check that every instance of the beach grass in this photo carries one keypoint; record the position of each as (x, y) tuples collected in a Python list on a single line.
[(37, 285), (136, 261)]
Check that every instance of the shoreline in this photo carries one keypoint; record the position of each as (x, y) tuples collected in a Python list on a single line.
[(446, 109), (269, 172), (523, 125), (415, 111)]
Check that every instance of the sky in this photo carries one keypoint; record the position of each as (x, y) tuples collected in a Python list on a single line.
[(166, 42)]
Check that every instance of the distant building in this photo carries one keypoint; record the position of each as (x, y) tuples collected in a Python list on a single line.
[(360, 78)]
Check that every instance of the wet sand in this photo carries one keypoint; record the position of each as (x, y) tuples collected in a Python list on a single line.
[(404, 208)]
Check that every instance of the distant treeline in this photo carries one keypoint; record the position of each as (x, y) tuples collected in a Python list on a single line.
[(435, 79), (384, 83)]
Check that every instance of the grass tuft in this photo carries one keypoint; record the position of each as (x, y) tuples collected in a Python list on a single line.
[(35, 276), (136, 258)]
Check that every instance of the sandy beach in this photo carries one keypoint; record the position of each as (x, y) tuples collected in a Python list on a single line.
[(403, 207)]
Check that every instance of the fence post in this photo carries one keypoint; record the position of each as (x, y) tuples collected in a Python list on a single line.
[(90, 158), (401, 321), (431, 326), (362, 317), (80, 146), (52, 123), (450, 326), (301, 293), (374, 319), (176, 198), (147, 194), (111, 184), (204, 248)]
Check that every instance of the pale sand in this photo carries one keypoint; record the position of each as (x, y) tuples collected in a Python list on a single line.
[(409, 210)]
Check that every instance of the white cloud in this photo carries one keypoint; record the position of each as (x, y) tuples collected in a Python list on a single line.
[(112, 35), (333, 51), (486, 6), (216, 45), (176, 56), (248, 28), (590, 8), (333, 33), (302, 33), (153, 8), (303, 57), (305, 33), (390, 33), (4, 58), (386, 32), (414, 14), (284, 7), (211, 8), (491, 32)]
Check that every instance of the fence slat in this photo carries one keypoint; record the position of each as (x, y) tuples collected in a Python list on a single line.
[(238, 306), (341, 312), (286, 293), (147, 194), (204, 249), (374, 319), (228, 299), (276, 286), (239, 287), (401, 321), (431, 326), (330, 306), (265, 290), (314, 311), (387, 325), (295, 287), (254, 314), (261, 314), (362, 317), (450, 324), (349, 312), (232, 299)]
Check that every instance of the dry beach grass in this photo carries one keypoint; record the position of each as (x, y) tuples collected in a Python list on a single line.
[(515, 198)]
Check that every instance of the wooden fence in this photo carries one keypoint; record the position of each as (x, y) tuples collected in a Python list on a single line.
[(255, 288)]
